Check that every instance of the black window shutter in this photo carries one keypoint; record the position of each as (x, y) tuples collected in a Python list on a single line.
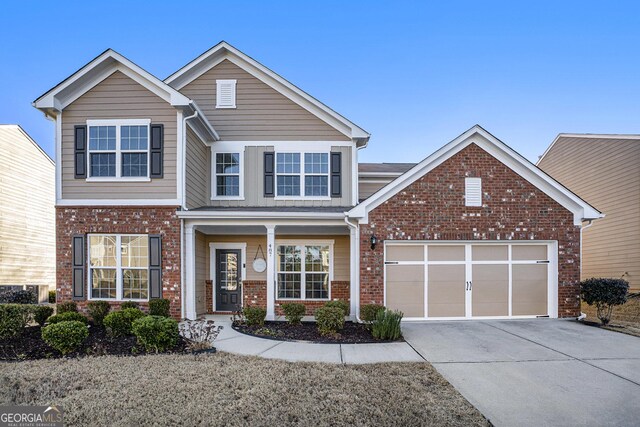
[(269, 174), (155, 266), (78, 255), (80, 151), (336, 174), (156, 145)]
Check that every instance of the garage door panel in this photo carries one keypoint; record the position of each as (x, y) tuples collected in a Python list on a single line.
[(405, 289), (446, 290), (490, 252), (530, 289), (490, 295), (446, 252), (529, 252), (405, 253)]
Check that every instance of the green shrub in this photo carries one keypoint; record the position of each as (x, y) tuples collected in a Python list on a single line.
[(19, 296), (119, 322), (159, 307), (52, 297), (368, 312), (387, 325), (293, 312), (13, 319), (41, 313), (98, 310), (66, 306), (129, 304), (604, 294), (69, 316), (65, 336), (341, 304), (254, 315), (329, 320), (157, 333)]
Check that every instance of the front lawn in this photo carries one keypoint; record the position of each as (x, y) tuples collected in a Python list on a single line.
[(225, 389)]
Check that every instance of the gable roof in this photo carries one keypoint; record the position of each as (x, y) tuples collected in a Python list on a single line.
[(502, 152), (224, 51), (562, 137), (383, 169)]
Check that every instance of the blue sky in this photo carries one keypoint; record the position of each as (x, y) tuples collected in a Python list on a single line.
[(413, 74)]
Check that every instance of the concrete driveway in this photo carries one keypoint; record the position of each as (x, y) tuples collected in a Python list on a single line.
[(540, 372)]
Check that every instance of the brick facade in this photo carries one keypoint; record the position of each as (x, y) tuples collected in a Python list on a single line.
[(120, 220), (339, 290), (433, 208)]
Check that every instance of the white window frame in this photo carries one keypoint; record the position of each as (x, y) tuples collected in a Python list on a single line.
[(118, 123), (302, 244), (468, 200), (302, 175), (219, 84), (214, 175), (118, 268)]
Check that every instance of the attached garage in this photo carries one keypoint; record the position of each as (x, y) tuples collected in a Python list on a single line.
[(466, 279)]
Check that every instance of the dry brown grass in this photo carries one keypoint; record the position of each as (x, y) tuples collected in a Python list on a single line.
[(225, 389)]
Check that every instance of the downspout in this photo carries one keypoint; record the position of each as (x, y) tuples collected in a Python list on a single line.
[(356, 273), (583, 315)]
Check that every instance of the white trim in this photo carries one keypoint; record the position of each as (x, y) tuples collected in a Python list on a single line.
[(58, 159), (271, 272), (180, 158), (282, 146), (219, 84), (213, 246), (117, 179), (223, 50), (191, 311), (496, 148), (303, 243), (213, 214), (118, 202), (214, 175)]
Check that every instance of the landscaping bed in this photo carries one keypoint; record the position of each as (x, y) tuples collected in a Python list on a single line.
[(29, 345), (352, 333)]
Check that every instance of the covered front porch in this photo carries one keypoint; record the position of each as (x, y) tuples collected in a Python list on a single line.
[(230, 263)]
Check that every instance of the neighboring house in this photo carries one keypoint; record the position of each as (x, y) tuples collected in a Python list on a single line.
[(27, 213), (373, 176), (225, 185), (604, 170)]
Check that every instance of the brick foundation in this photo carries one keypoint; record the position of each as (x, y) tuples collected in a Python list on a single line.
[(433, 208), (120, 220), (339, 290)]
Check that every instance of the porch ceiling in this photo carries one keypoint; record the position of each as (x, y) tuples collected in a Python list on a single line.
[(279, 231)]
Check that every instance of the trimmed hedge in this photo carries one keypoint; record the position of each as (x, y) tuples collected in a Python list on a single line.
[(69, 316), (129, 304), (341, 304), (159, 307), (66, 306), (52, 297), (254, 315), (157, 333), (13, 319), (604, 294), (368, 312), (119, 322), (98, 310), (329, 320), (19, 296), (65, 336), (293, 312), (41, 313)]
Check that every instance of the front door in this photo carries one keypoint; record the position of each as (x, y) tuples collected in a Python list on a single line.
[(228, 279)]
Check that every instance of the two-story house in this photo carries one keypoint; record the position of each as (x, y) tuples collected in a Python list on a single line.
[(225, 186)]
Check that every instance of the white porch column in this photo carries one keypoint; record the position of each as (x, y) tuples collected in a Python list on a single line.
[(190, 273), (271, 272), (354, 266)]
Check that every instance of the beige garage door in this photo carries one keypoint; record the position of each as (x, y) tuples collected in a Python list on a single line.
[(468, 279)]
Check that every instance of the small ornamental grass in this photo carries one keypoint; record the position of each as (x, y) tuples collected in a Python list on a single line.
[(604, 294), (41, 313), (293, 312), (65, 336), (341, 304), (159, 307), (69, 316), (329, 320), (118, 323), (13, 319), (19, 296), (387, 325), (66, 306), (254, 315), (368, 312), (98, 310), (156, 333)]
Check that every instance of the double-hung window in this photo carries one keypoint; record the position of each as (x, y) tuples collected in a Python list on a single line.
[(228, 175), (118, 267), (302, 175), (304, 271), (118, 149)]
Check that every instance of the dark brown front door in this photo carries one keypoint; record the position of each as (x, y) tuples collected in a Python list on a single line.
[(228, 279)]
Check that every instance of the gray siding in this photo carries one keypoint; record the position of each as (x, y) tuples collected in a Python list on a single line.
[(119, 97), (606, 173), (261, 113), (197, 171)]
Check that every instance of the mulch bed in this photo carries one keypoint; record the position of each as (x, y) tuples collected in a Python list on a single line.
[(30, 346), (353, 333)]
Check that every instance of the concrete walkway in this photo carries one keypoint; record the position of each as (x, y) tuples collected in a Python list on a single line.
[(541, 372), (232, 341)]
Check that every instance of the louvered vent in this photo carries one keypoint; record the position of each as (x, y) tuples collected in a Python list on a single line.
[(225, 94), (473, 191)]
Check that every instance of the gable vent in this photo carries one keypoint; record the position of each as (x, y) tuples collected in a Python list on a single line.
[(473, 191), (225, 94)]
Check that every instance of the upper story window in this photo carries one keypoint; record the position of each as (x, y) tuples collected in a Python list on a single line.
[(228, 175), (473, 191), (302, 174), (225, 93), (118, 149)]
